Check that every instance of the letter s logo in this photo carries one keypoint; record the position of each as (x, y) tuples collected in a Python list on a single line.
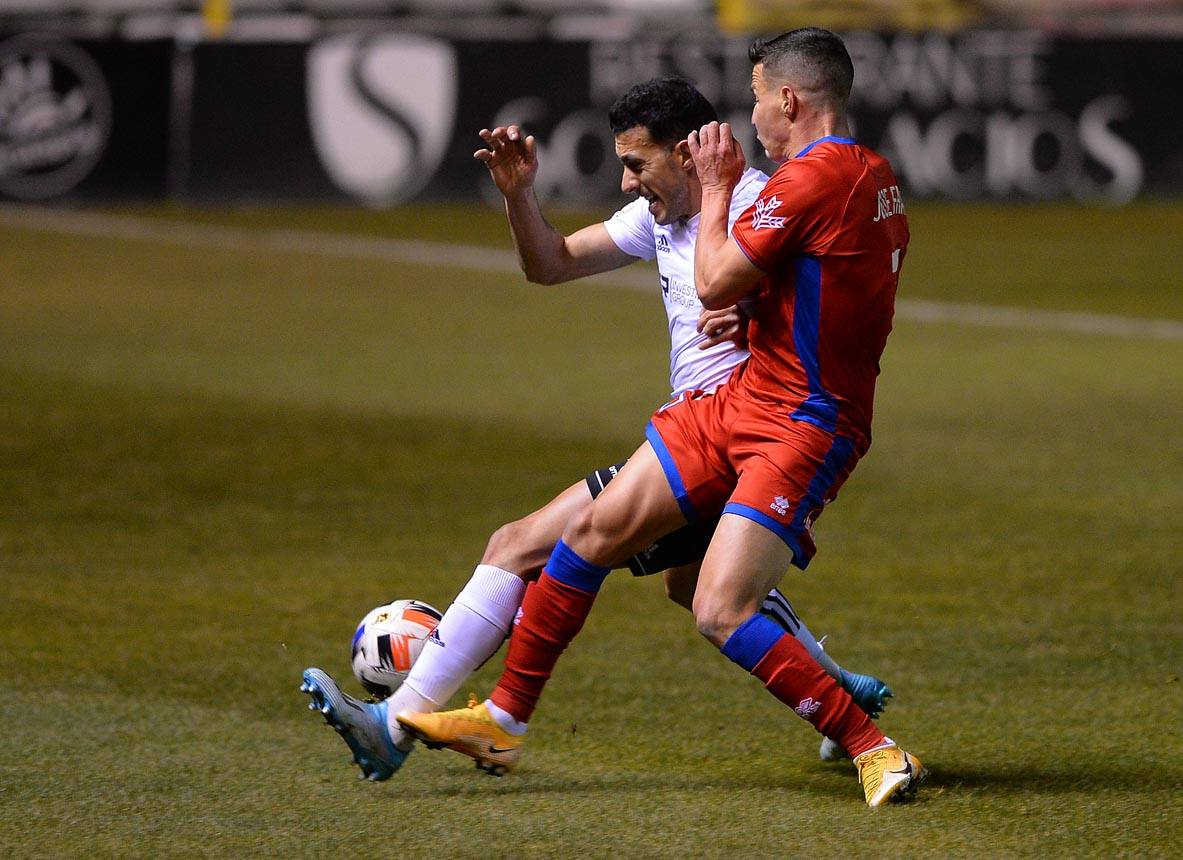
[(381, 110)]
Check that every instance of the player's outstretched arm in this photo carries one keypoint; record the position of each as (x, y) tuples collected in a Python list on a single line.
[(545, 255), (722, 273)]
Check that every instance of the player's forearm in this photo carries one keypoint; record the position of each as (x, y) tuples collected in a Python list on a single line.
[(713, 292), (541, 248)]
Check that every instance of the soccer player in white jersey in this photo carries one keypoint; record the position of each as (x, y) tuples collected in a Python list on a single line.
[(650, 124)]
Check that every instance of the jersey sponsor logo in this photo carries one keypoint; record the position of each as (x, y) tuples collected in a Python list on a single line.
[(890, 203), (663, 244), (807, 707), (763, 216), (781, 505), (679, 292)]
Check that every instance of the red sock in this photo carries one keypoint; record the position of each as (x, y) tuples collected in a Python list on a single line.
[(790, 674), (552, 615)]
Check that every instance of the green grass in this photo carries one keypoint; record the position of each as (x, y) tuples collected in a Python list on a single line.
[(213, 463)]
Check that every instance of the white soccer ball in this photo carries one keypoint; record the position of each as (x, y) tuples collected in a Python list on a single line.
[(388, 641)]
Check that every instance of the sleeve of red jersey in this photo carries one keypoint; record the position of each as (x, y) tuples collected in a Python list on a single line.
[(779, 222)]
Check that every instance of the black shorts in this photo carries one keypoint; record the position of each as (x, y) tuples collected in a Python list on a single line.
[(684, 546)]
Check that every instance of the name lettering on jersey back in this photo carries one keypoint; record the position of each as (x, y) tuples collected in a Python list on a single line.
[(763, 216), (891, 202)]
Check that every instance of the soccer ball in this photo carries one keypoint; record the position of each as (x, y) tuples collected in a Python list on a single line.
[(388, 641)]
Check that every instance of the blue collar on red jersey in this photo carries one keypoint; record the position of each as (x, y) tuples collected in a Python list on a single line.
[(826, 139)]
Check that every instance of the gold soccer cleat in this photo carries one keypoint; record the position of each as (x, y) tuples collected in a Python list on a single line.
[(471, 731), (889, 775)]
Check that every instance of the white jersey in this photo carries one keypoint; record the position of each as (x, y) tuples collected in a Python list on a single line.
[(636, 233)]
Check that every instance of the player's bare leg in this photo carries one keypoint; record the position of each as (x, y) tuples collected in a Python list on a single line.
[(744, 561), (524, 546)]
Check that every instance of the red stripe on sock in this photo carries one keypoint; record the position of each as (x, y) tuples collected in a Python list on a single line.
[(552, 615), (794, 677)]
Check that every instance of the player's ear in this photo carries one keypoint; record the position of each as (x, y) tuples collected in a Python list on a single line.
[(682, 154), (789, 102)]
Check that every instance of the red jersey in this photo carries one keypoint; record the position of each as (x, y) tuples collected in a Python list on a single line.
[(829, 232)]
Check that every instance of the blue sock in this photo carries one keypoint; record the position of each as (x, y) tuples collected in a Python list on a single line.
[(752, 640), (569, 568)]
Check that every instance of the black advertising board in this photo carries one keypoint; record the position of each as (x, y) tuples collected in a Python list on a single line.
[(387, 117), (83, 118), (1020, 115), (248, 128)]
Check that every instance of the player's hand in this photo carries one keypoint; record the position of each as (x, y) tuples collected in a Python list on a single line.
[(718, 157), (511, 157), (729, 324)]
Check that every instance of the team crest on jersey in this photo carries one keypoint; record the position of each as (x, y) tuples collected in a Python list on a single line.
[(807, 707), (663, 244), (763, 216)]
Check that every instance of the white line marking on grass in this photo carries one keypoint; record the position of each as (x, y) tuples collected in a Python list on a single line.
[(475, 258)]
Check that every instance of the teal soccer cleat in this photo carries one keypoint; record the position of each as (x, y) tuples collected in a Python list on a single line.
[(870, 694), (361, 725)]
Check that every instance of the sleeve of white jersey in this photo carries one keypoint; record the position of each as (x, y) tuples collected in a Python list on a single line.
[(746, 191), (631, 229)]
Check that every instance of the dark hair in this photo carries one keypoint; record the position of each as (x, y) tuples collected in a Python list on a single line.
[(669, 109), (810, 57)]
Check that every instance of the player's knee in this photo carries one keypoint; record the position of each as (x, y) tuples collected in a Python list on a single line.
[(716, 620), (516, 547)]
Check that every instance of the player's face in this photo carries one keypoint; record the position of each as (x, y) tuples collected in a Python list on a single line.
[(656, 173), (768, 117)]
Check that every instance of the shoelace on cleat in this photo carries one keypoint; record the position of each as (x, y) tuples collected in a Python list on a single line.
[(874, 775)]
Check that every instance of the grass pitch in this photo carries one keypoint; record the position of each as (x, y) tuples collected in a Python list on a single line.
[(212, 463)]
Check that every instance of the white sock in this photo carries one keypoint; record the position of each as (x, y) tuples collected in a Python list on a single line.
[(470, 633), (505, 719), (777, 607)]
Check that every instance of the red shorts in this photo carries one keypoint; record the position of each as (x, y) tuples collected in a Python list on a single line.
[(724, 453)]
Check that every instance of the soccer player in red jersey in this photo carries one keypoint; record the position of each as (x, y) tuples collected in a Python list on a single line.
[(821, 249)]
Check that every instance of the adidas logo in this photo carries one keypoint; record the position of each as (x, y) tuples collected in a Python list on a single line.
[(663, 244), (434, 638)]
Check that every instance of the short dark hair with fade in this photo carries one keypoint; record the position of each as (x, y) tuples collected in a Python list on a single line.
[(811, 57), (668, 108)]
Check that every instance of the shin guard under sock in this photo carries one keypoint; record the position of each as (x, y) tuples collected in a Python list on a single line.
[(794, 677)]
